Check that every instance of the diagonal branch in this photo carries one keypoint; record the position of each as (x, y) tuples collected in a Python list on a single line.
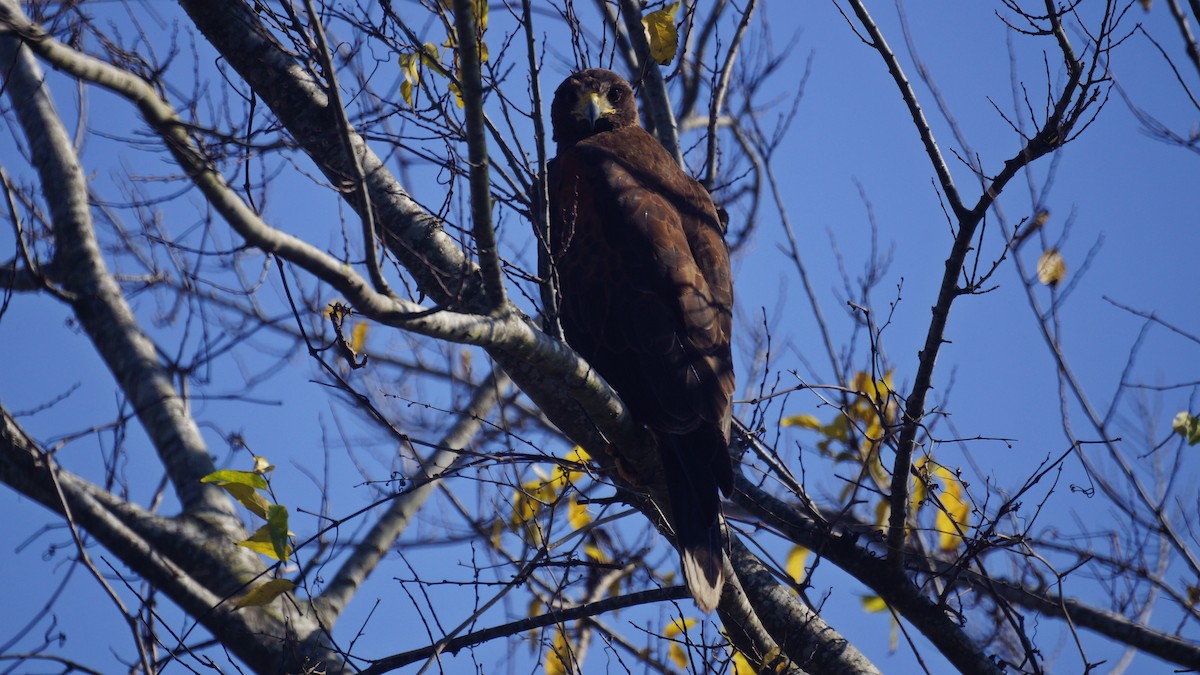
[(844, 551), (193, 566), (545, 368), (550, 618), (96, 298), (589, 412), (367, 553), (802, 634)]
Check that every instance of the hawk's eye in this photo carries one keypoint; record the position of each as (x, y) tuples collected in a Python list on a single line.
[(614, 95)]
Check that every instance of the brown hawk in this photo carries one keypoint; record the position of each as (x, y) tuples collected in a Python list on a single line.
[(646, 297)]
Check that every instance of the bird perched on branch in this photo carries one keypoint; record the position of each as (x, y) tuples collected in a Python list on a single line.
[(646, 297)]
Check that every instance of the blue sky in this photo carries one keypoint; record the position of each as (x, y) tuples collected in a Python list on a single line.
[(1130, 200)]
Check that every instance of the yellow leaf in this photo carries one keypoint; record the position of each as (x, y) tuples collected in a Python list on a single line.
[(1146, 5), (917, 494), (679, 626), (662, 34), (872, 388), (242, 486), (1187, 425), (261, 542), (408, 67), (775, 661), (593, 551), (249, 498), (676, 654), (261, 465), (497, 530), (956, 513), (558, 656), (230, 477), (277, 529), (802, 421), (430, 54), (883, 511), (578, 455), (741, 665), (264, 593), (480, 9), (525, 505), (1051, 268), (358, 337), (458, 99), (577, 514), (795, 563), (873, 603)]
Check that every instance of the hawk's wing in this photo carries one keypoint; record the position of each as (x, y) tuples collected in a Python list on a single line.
[(647, 295)]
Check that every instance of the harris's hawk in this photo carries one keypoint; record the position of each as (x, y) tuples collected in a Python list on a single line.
[(646, 297)]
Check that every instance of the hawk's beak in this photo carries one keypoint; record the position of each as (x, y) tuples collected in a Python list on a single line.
[(592, 107)]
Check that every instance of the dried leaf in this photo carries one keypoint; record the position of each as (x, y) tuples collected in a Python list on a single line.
[(408, 67), (741, 665), (802, 421), (795, 563), (577, 514), (231, 477), (678, 627), (358, 337), (262, 465), (1051, 267), (955, 515), (559, 655), (249, 497), (1187, 425), (264, 593), (262, 542), (873, 603), (662, 34)]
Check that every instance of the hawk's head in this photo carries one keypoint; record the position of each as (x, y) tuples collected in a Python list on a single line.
[(589, 102)]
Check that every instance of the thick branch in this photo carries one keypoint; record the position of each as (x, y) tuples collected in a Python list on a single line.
[(594, 415), (1113, 626), (96, 298), (804, 636), (844, 551), (589, 412), (174, 556)]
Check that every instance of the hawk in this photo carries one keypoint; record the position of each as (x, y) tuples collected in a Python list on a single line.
[(646, 298)]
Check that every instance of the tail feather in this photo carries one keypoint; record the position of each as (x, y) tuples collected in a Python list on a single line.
[(702, 567), (692, 487)]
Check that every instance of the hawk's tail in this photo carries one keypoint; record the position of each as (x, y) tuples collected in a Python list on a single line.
[(701, 555), (692, 486)]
